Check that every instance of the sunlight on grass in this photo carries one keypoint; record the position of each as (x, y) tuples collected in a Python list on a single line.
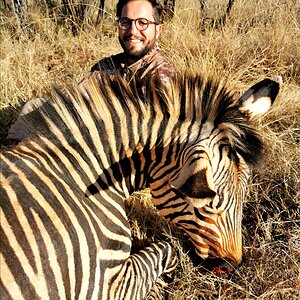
[(260, 39)]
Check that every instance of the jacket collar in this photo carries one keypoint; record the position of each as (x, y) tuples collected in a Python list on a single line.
[(144, 61)]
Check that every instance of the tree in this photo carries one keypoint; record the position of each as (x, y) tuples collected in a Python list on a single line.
[(100, 11), (169, 9)]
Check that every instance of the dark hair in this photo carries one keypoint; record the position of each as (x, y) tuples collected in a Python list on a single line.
[(157, 9)]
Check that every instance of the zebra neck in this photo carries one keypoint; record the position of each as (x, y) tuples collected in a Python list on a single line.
[(124, 177), (134, 173)]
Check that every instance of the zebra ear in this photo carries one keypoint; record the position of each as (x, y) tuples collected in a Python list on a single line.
[(196, 189), (260, 97)]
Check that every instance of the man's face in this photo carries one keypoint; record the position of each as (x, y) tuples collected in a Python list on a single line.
[(137, 43)]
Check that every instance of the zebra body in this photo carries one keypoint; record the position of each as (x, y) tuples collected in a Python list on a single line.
[(64, 230)]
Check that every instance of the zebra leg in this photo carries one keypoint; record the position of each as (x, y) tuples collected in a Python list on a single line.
[(140, 271), (155, 292)]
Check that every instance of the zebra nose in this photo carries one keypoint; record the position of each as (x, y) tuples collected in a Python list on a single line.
[(221, 266), (233, 255), (224, 269), (235, 259)]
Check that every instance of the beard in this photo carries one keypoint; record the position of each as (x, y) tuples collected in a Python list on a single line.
[(135, 54)]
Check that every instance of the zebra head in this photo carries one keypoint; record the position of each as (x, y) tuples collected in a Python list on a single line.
[(193, 143), (203, 193)]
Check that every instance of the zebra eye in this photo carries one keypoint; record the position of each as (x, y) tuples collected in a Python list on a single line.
[(229, 151), (232, 155), (225, 147)]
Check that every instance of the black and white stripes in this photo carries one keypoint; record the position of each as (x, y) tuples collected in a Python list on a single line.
[(64, 231)]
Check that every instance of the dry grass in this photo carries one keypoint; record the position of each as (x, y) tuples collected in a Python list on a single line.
[(261, 38)]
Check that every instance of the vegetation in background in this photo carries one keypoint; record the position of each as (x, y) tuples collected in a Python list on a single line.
[(259, 39)]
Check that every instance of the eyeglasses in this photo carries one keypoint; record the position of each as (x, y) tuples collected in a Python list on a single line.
[(140, 23)]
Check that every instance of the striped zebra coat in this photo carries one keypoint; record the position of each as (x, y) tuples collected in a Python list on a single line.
[(64, 230)]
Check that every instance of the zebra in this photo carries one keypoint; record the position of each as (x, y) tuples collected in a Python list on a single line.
[(64, 230)]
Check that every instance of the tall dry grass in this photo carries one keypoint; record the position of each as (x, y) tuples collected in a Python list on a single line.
[(259, 39)]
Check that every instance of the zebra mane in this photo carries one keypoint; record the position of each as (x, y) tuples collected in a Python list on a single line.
[(207, 99), (188, 98)]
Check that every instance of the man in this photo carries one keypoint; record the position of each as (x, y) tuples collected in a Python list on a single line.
[(139, 28)]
